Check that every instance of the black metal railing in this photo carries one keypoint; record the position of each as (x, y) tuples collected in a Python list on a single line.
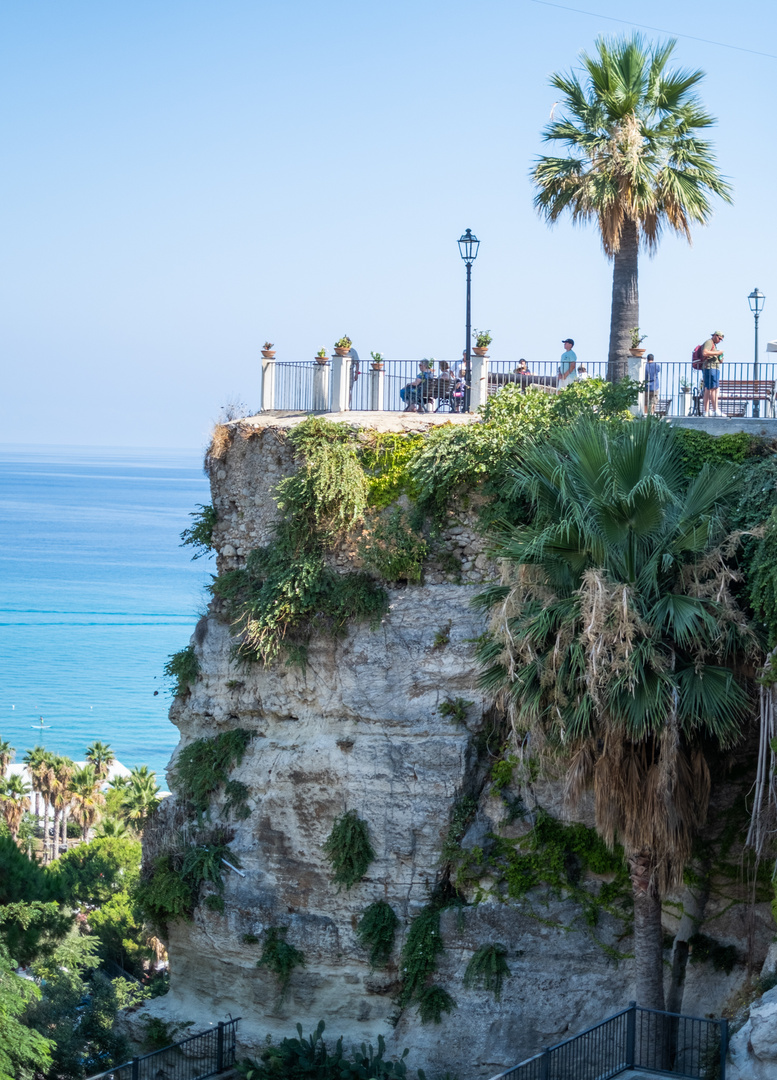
[(302, 386), (636, 1038), (207, 1054)]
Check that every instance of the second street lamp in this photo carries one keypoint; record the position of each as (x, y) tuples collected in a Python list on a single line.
[(756, 300), (468, 249)]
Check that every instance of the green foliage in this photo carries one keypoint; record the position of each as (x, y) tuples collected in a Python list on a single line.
[(158, 1034), (392, 549), (91, 874), (280, 957), (376, 931), (183, 667), (386, 460), (24, 1053), (487, 969), (454, 709), (236, 800), (215, 902), (699, 448), (348, 849), (327, 494), (205, 764), (705, 949), (311, 1059), (250, 939), (463, 812), (77, 1010), (433, 1001), (502, 772), (199, 534), (286, 595), (558, 856), (419, 953), (170, 889), (23, 882), (118, 925), (762, 580)]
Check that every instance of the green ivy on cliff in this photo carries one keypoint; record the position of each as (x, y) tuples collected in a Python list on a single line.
[(348, 849), (170, 887), (205, 764)]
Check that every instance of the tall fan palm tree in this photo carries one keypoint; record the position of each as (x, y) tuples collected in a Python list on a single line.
[(6, 756), (615, 643), (35, 761), (86, 797), (62, 768), (636, 163), (14, 795), (46, 769), (102, 757), (141, 797)]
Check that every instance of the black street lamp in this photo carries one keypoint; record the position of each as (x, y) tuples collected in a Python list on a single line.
[(756, 300), (468, 248)]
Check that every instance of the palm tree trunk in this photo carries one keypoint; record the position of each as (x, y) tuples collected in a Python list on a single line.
[(55, 840), (624, 312), (45, 829), (648, 933)]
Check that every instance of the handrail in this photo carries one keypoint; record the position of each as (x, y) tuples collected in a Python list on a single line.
[(638, 1038), (214, 1053)]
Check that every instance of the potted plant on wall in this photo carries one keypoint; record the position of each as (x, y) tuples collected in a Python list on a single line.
[(482, 340), (343, 345), (636, 341), (321, 356), (267, 350), (377, 361)]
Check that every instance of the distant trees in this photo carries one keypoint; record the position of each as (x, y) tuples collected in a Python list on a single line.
[(15, 801)]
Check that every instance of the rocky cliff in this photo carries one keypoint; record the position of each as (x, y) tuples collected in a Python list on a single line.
[(360, 729)]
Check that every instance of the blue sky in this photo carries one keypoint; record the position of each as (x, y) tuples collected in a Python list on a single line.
[(182, 180)]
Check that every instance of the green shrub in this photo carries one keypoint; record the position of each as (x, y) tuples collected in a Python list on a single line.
[(348, 849), (283, 597), (311, 1059), (386, 460), (699, 448), (376, 931), (433, 1001), (419, 954), (279, 957), (502, 772), (392, 549), (463, 812), (236, 796), (487, 969), (199, 534), (454, 709), (705, 949), (170, 888), (327, 494), (183, 667), (204, 765)]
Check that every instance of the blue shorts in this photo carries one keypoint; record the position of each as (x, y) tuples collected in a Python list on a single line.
[(711, 378)]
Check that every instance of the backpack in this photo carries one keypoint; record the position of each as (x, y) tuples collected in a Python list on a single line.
[(697, 358)]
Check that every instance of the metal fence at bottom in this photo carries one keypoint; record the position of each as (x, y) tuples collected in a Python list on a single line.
[(636, 1038), (206, 1054)]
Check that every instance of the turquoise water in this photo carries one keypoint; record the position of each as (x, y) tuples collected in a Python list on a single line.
[(95, 593)]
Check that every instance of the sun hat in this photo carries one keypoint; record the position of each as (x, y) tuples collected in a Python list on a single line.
[(718, 333)]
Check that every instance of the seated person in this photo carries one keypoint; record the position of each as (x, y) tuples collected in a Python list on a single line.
[(413, 393), (522, 368)]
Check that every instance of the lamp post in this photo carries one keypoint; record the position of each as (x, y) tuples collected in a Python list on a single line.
[(756, 300), (468, 249)]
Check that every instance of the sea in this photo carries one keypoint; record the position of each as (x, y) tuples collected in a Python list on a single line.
[(96, 592)]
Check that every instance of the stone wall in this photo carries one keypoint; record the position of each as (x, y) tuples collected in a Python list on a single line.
[(359, 729)]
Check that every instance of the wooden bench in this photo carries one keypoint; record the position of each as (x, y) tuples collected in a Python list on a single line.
[(431, 390), (734, 395)]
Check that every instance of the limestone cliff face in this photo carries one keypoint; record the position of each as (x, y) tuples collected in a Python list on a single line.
[(359, 729)]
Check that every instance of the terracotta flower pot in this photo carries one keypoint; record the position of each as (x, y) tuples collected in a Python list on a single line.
[(480, 350), (340, 351), (637, 352), (377, 367), (268, 354), (321, 359)]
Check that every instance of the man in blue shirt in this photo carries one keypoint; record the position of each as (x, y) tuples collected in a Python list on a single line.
[(567, 367), (652, 379)]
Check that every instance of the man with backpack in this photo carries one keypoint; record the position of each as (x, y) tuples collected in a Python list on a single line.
[(712, 358)]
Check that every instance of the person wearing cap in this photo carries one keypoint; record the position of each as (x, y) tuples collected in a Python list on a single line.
[(567, 367), (712, 358)]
